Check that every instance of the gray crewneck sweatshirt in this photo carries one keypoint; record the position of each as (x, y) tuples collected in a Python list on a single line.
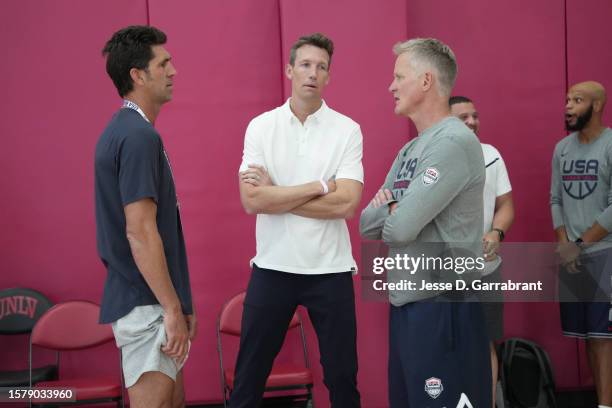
[(580, 192), (437, 180)]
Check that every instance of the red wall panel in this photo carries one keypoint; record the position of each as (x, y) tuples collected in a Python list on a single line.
[(588, 45), (230, 57), (57, 99)]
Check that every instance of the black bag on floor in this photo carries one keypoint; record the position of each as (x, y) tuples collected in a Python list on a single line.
[(526, 375)]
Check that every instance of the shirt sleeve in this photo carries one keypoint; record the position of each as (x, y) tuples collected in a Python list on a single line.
[(350, 166), (605, 218), (252, 152), (556, 194), (503, 185), (441, 175), (139, 167), (372, 219)]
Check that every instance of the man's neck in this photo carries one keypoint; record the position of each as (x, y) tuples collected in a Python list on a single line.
[(302, 109), (150, 109), (590, 132), (429, 114)]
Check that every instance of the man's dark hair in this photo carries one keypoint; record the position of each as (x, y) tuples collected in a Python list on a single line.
[(130, 48), (458, 99), (318, 40)]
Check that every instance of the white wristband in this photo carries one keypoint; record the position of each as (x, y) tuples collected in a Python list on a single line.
[(325, 187)]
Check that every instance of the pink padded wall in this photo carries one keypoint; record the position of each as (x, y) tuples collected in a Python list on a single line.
[(588, 45), (57, 99), (230, 57)]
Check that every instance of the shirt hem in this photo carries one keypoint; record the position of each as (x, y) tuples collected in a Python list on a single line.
[(305, 271)]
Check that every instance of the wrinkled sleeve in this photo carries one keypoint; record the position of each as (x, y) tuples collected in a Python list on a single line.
[(605, 218), (139, 167), (556, 193), (373, 219), (350, 166), (252, 152), (441, 175)]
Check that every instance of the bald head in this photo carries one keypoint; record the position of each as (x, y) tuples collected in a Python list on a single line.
[(594, 90), (584, 105)]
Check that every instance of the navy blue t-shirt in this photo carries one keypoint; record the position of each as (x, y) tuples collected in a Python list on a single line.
[(131, 165)]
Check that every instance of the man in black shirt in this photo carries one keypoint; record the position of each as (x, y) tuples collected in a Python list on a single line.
[(147, 294)]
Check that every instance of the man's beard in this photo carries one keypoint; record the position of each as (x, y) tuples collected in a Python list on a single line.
[(581, 121)]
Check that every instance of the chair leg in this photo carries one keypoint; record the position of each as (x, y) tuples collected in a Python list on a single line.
[(311, 403)]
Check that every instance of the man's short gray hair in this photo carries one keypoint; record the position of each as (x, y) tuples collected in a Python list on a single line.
[(434, 54)]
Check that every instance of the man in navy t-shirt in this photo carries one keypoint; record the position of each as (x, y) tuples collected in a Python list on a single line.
[(147, 295)]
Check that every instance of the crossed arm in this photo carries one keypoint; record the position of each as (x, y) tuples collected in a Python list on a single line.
[(260, 196)]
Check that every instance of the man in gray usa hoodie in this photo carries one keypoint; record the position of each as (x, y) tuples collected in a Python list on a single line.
[(430, 208)]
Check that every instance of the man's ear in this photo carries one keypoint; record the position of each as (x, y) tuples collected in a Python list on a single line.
[(289, 72), (598, 106), (427, 81), (136, 75)]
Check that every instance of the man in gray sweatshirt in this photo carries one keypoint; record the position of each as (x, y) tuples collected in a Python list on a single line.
[(581, 206), (431, 204)]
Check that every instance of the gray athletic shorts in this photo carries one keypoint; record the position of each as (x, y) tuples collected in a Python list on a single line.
[(140, 335)]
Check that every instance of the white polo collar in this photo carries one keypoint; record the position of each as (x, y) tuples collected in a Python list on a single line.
[(317, 116)]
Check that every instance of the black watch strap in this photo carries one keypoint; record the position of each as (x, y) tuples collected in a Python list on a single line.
[(501, 233), (579, 242)]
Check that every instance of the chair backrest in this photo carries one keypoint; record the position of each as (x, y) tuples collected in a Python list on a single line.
[(231, 316), (71, 325), (20, 308)]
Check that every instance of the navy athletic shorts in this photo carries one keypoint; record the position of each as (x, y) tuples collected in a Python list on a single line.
[(586, 297), (438, 355)]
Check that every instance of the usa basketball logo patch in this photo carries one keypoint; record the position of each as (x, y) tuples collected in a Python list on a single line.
[(580, 177), (431, 176), (433, 387)]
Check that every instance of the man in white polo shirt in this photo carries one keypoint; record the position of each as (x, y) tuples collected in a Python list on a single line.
[(301, 174)]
